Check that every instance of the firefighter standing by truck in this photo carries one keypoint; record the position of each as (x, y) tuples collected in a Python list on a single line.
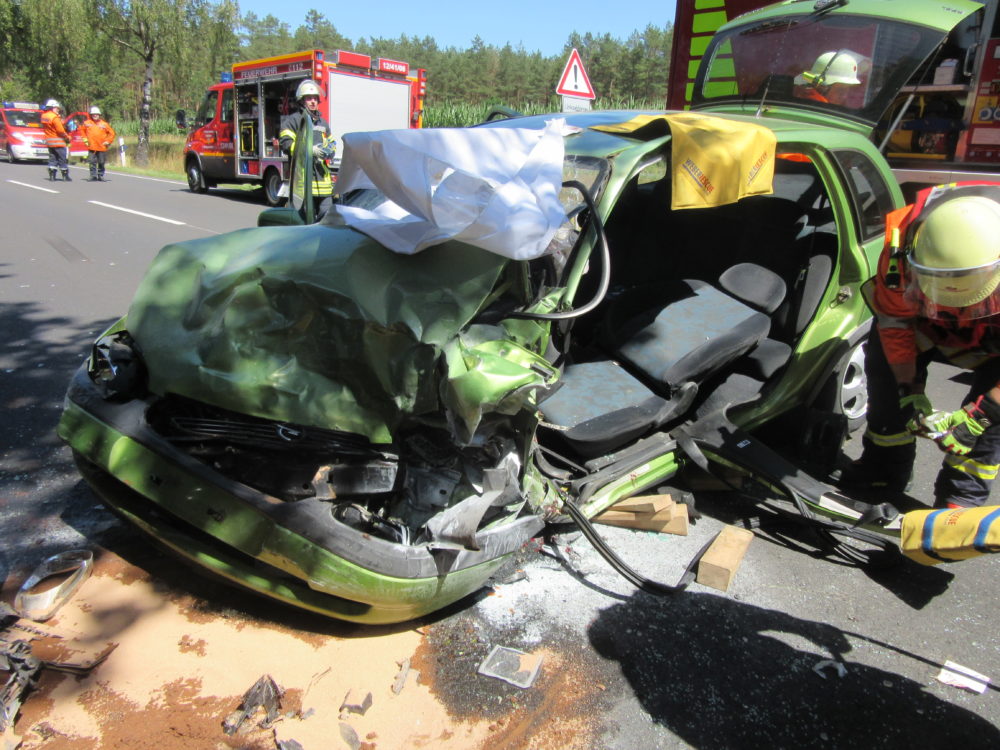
[(56, 140), (99, 135), (324, 146), (935, 298)]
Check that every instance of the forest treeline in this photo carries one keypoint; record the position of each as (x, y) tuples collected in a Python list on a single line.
[(144, 59)]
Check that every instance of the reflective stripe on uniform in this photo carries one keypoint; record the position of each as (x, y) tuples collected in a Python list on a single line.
[(891, 440), (971, 467)]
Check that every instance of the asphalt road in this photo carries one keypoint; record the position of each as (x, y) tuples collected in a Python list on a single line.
[(702, 669)]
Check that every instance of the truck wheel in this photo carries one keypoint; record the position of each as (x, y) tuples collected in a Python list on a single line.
[(272, 187), (196, 178)]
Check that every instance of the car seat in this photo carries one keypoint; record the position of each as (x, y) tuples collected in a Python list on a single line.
[(659, 358)]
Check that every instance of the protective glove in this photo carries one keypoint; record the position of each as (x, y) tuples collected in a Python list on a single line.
[(960, 429), (326, 151), (915, 406)]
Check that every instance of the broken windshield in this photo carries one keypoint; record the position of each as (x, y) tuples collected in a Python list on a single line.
[(851, 65)]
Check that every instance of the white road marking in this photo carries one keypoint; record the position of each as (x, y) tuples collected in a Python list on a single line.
[(33, 187), (139, 213)]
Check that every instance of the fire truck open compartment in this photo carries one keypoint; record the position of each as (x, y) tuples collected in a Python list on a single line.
[(260, 107)]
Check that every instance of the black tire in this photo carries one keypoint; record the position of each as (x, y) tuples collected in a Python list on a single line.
[(195, 177), (272, 187)]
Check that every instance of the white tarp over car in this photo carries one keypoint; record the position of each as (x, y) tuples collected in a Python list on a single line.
[(496, 188)]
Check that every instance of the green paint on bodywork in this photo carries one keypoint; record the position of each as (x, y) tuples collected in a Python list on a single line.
[(314, 325), (317, 579)]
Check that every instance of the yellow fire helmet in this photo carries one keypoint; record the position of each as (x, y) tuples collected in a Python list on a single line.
[(955, 257), (836, 66)]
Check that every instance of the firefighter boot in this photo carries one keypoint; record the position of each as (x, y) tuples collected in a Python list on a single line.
[(888, 469), (52, 175), (65, 174)]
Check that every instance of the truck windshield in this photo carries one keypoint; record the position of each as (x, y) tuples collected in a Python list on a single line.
[(20, 118), (852, 65)]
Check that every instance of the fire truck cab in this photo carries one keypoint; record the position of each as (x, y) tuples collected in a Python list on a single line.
[(21, 136), (234, 136)]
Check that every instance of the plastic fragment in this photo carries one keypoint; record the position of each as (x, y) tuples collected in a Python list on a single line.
[(356, 702), (22, 674), (38, 602), (265, 694), (510, 665), (349, 736), (838, 667), (962, 677), (400, 681)]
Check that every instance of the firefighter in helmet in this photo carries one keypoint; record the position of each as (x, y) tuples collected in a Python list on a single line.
[(56, 140), (935, 298), (830, 73), (324, 146), (99, 135)]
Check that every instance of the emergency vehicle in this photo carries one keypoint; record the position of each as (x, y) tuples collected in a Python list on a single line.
[(943, 127), (21, 132), (77, 149), (234, 137)]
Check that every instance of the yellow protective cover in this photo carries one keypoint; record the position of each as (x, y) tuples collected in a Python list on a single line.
[(951, 534), (715, 161)]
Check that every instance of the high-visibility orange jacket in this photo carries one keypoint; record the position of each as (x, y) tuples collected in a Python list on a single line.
[(903, 327), (98, 133), (54, 130)]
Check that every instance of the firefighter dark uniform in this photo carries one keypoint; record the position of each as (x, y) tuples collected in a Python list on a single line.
[(935, 299), (323, 145)]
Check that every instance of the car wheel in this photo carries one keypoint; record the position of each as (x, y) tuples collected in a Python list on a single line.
[(196, 178), (853, 398), (846, 391), (272, 187)]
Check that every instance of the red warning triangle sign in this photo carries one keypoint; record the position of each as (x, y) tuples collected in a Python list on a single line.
[(574, 81)]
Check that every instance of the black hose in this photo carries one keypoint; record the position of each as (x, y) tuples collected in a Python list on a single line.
[(628, 573)]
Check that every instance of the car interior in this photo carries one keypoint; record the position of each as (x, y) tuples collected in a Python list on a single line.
[(704, 308)]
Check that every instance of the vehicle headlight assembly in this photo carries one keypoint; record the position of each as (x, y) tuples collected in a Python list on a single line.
[(116, 367)]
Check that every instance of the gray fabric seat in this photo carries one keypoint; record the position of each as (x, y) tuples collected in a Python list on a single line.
[(671, 349)]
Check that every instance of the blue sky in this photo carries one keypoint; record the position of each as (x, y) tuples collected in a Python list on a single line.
[(542, 25)]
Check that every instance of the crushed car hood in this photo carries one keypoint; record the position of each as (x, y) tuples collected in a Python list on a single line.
[(316, 325)]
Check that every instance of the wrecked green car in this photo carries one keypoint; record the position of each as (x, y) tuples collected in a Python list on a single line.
[(520, 322)]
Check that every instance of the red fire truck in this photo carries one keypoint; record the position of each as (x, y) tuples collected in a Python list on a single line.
[(234, 136), (945, 126)]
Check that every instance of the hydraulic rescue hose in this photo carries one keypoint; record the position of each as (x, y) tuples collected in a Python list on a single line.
[(628, 573)]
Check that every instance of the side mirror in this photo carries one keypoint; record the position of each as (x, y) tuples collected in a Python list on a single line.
[(180, 120), (280, 217)]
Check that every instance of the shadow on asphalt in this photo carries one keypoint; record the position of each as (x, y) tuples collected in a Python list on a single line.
[(38, 480), (233, 193), (720, 673), (913, 584)]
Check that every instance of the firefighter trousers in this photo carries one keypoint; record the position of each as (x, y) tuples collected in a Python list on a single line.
[(963, 480), (57, 159), (97, 159)]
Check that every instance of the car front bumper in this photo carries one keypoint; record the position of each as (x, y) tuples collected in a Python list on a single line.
[(295, 552)]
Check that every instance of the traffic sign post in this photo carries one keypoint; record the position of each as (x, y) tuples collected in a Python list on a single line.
[(574, 85)]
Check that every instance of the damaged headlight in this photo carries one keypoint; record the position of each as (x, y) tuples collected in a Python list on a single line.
[(116, 367)]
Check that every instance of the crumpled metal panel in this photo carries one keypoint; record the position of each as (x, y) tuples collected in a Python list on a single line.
[(315, 325)]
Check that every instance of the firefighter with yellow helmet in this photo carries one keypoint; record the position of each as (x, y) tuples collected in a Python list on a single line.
[(935, 298), (830, 73), (324, 146)]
